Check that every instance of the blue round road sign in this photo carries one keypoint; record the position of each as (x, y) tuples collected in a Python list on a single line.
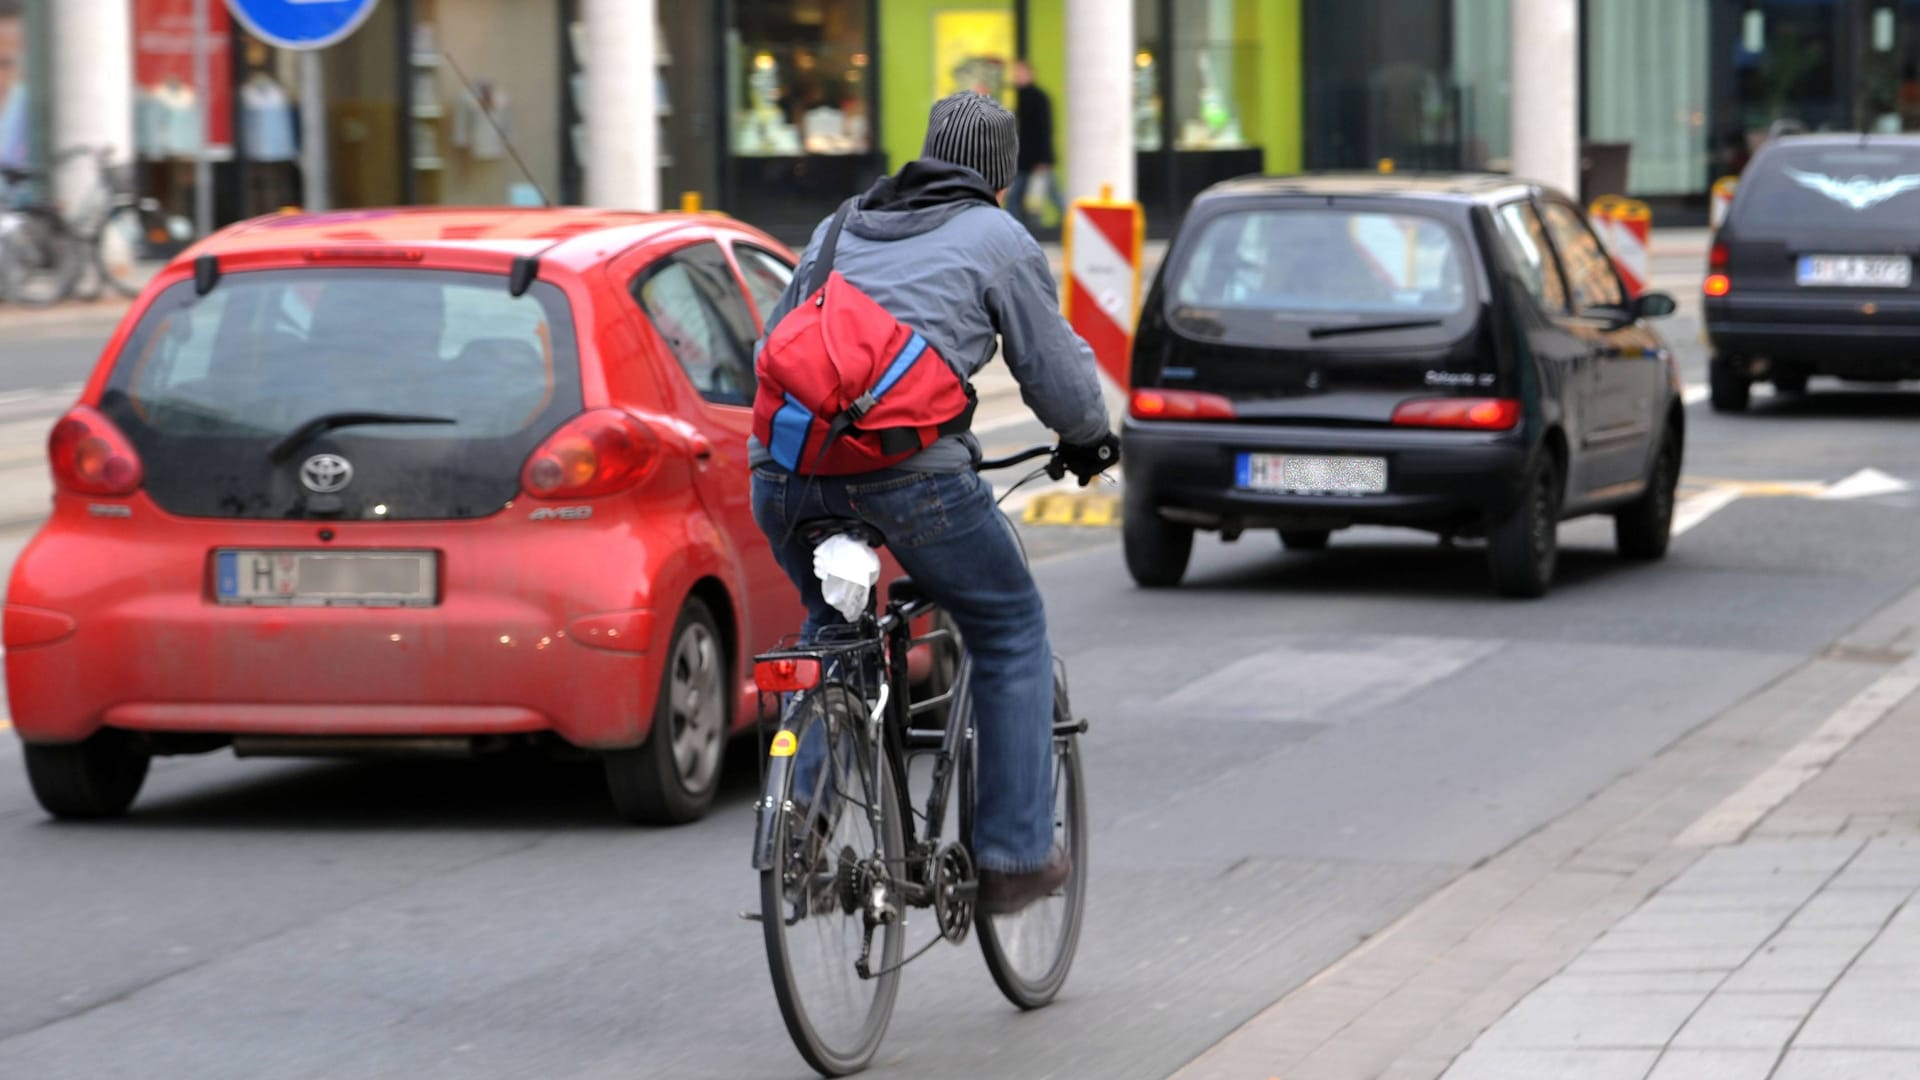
[(301, 24)]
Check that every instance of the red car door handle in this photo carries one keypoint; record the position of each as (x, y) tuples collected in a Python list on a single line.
[(702, 448)]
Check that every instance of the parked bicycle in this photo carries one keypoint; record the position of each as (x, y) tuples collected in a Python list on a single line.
[(45, 255), (845, 852)]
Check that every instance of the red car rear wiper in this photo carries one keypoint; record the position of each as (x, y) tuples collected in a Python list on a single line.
[(279, 451)]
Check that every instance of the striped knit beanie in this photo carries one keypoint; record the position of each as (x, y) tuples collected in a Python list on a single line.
[(974, 131)]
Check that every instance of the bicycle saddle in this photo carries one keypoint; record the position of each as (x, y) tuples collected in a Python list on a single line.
[(818, 530)]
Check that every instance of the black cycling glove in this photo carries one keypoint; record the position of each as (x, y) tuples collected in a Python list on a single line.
[(1088, 460)]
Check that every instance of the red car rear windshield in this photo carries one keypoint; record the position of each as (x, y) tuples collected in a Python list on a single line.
[(207, 386)]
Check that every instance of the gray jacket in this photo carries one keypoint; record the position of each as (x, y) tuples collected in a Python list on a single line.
[(932, 247)]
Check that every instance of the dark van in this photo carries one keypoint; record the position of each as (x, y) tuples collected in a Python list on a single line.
[(1454, 354), (1812, 271)]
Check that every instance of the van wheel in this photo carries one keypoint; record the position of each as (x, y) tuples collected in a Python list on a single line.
[(671, 778), (1305, 539), (1157, 549), (1522, 550), (89, 780), (1643, 529), (1727, 388)]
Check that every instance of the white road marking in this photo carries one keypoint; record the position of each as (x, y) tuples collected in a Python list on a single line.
[(1865, 484), (1729, 821), (1695, 393), (1694, 509)]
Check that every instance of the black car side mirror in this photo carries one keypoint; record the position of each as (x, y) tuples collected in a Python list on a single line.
[(1653, 305)]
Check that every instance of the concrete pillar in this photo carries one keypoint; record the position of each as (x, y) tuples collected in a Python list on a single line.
[(1099, 112), (92, 86), (623, 128), (1544, 101)]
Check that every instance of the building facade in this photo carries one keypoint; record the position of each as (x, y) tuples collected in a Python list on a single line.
[(775, 109)]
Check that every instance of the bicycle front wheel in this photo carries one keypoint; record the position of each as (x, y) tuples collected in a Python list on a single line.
[(1029, 952), (39, 259), (835, 858)]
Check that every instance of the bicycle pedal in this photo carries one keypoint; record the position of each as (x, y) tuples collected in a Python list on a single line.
[(752, 916)]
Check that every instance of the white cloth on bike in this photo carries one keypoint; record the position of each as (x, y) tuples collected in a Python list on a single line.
[(847, 569)]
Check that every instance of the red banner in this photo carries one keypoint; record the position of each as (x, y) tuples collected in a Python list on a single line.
[(168, 109)]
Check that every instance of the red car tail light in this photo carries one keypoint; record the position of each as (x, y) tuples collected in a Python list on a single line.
[(596, 453), (786, 674), (1477, 414), (1179, 405), (91, 457)]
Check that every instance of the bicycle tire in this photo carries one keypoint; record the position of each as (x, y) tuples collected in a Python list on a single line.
[(116, 250), (847, 1046), (39, 259), (1049, 930)]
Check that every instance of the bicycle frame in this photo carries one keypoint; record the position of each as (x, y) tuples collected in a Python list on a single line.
[(889, 639)]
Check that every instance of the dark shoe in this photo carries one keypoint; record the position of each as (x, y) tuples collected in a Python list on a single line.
[(1002, 893)]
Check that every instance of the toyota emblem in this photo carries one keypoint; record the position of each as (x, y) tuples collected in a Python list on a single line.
[(325, 474)]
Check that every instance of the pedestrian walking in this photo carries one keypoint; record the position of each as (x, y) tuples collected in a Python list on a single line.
[(1035, 198)]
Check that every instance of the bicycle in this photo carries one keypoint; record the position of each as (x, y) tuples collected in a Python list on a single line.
[(42, 250), (822, 886)]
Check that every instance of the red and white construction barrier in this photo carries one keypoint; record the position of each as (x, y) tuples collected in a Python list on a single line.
[(1102, 239)]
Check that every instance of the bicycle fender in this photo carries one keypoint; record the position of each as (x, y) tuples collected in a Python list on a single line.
[(779, 790)]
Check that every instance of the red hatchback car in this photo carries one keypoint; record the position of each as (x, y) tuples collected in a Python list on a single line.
[(411, 480)]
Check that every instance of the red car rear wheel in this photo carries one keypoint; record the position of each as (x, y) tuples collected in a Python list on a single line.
[(671, 778)]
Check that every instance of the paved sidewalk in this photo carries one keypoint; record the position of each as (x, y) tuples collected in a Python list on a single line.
[(1794, 955)]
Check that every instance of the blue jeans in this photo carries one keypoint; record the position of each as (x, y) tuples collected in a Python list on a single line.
[(961, 551)]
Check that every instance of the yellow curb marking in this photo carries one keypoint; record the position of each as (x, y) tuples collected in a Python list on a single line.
[(1086, 509)]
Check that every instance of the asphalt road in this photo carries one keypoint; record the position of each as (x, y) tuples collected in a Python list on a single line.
[(1286, 755)]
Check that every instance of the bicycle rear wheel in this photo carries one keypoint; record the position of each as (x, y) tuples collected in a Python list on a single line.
[(122, 243), (39, 259), (1029, 953), (828, 857)]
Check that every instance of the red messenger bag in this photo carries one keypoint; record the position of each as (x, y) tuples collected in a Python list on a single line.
[(846, 388)]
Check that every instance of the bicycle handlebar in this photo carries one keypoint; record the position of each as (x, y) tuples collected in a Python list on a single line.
[(1011, 460)]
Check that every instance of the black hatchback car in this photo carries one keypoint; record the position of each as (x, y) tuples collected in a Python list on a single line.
[(1812, 271), (1455, 354)]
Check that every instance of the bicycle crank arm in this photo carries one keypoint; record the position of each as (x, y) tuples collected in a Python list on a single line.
[(1071, 727)]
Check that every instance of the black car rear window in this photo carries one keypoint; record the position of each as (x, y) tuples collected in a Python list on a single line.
[(1248, 270), (206, 385), (1863, 188)]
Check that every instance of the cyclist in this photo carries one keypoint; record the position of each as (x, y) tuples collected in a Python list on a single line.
[(932, 246)]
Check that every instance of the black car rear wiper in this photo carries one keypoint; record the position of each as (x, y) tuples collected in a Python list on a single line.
[(328, 421), (1318, 332)]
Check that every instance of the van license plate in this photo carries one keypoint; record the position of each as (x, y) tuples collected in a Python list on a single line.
[(1856, 271), (1303, 474), (326, 578)]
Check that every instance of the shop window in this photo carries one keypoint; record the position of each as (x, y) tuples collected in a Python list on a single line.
[(1589, 271), (799, 78), (1646, 86), (696, 305)]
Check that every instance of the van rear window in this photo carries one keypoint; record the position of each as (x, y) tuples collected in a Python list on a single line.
[(1854, 188)]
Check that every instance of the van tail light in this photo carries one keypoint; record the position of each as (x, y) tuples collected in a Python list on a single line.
[(1476, 414), (91, 457), (1179, 405), (786, 675), (596, 453)]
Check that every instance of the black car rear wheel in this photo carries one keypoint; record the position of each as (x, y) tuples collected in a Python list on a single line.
[(1305, 539), (1522, 550), (89, 780), (1729, 386), (1643, 529), (1157, 549)]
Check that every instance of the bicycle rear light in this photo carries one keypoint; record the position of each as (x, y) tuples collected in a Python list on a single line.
[(786, 674)]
